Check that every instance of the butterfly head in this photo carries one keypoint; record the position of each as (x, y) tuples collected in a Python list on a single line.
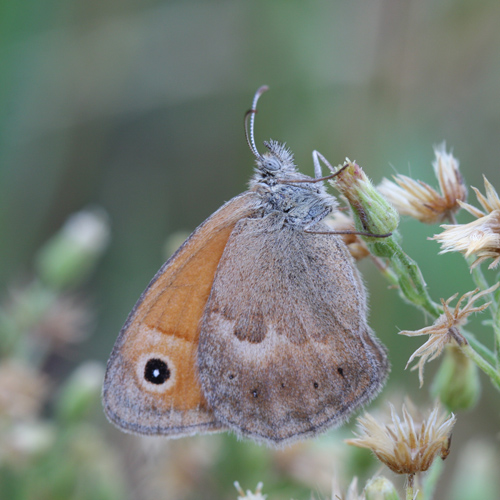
[(277, 160)]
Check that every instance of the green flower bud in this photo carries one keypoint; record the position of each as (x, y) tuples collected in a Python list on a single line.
[(82, 392), (380, 488), (71, 254), (373, 214), (457, 381), (25, 441)]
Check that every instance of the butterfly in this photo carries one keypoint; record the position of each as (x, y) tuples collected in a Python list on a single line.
[(257, 324)]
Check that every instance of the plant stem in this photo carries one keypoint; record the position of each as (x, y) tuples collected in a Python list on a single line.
[(412, 288), (385, 270), (480, 348), (405, 270), (482, 283), (483, 365), (409, 487), (496, 329)]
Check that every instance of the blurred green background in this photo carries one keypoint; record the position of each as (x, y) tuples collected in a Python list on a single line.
[(137, 107)]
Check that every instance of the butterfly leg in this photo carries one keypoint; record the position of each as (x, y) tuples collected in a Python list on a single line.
[(316, 220), (317, 157)]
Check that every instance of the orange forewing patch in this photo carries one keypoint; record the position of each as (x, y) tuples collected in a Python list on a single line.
[(165, 321)]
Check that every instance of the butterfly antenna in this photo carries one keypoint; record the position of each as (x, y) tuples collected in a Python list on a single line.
[(250, 117)]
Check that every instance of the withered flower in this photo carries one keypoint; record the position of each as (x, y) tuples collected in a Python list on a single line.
[(249, 495), (422, 202), (480, 237), (490, 202), (351, 493), (22, 390), (405, 445), (446, 328)]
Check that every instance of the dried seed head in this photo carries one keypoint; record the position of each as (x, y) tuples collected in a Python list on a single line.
[(490, 202), (422, 202), (480, 237), (406, 445), (249, 495), (446, 328)]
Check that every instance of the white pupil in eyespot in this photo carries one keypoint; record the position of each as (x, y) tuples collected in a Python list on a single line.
[(156, 371)]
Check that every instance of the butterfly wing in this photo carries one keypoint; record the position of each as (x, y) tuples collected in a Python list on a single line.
[(151, 384), (285, 350)]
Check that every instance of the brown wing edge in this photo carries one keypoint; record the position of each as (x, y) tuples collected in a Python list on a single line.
[(244, 205), (381, 366), (377, 365)]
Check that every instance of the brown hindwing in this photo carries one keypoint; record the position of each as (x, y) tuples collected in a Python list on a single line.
[(285, 350)]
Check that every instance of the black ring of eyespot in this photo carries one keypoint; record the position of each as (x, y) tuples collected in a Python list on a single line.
[(156, 371)]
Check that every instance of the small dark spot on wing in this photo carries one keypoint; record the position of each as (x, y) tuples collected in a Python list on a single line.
[(251, 327)]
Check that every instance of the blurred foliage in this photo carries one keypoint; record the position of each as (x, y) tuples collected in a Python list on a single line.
[(137, 107)]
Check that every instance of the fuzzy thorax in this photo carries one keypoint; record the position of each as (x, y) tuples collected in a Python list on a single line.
[(296, 203)]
